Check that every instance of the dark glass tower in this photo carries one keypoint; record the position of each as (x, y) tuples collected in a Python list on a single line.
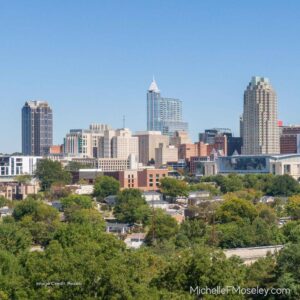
[(37, 128)]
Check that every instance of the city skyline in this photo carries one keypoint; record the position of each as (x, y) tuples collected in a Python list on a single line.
[(87, 66), (235, 132)]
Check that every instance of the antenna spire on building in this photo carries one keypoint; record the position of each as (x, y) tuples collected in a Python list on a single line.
[(153, 86)]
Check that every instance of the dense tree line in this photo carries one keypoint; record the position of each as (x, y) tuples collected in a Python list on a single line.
[(51, 254), (79, 260), (274, 185)]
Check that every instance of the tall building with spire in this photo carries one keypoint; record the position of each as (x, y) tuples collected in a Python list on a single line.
[(163, 114), (260, 124), (37, 128)]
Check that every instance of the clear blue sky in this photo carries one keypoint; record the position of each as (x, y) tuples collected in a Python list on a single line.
[(94, 60)]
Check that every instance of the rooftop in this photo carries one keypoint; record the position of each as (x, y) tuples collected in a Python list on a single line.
[(153, 87)]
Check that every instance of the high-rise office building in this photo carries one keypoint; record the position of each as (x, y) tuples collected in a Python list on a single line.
[(260, 128), (37, 128), (118, 144), (163, 114), (84, 142), (234, 145), (210, 136), (180, 137), (165, 154), (148, 142)]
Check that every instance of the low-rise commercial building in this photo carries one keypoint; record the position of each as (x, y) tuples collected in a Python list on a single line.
[(128, 178), (149, 179), (146, 179), (289, 139), (260, 164), (13, 190), (110, 164), (12, 166)]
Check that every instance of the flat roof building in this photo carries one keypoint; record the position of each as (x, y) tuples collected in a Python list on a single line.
[(259, 164), (37, 128)]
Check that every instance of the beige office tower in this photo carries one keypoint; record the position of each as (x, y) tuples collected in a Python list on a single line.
[(118, 144), (179, 138), (260, 124), (164, 154), (148, 142)]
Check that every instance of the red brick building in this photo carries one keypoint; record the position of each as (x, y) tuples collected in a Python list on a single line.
[(146, 179), (289, 139)]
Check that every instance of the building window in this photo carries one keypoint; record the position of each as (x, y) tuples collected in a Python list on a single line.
[(287, 169)]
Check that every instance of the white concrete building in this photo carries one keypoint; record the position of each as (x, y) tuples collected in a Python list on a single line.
[(11, 166), (84, 142)]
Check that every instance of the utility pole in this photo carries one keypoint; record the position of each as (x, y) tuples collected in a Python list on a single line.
[(213, 232), (153, 221)]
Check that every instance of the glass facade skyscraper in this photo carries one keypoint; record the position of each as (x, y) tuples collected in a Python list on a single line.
[(164, 114), (37, 128)]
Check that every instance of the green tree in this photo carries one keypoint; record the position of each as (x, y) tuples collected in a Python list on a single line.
[(283, 185), (205, 187), (23, 179), (203, 267), (13, 238), (37, 209), (235, 235), (3, 201), (294, 234), (251, 181), (262, 273), (191, 231), (231, 183), (173, 187), (293, 207), (74, 166), (163, 227), (246, 194), (267, 213), (40, 219), (106, 186), (131, 207), (287, 270), (77, 202), (49, 172), (236, 210), (13, 284), (87, 216)]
